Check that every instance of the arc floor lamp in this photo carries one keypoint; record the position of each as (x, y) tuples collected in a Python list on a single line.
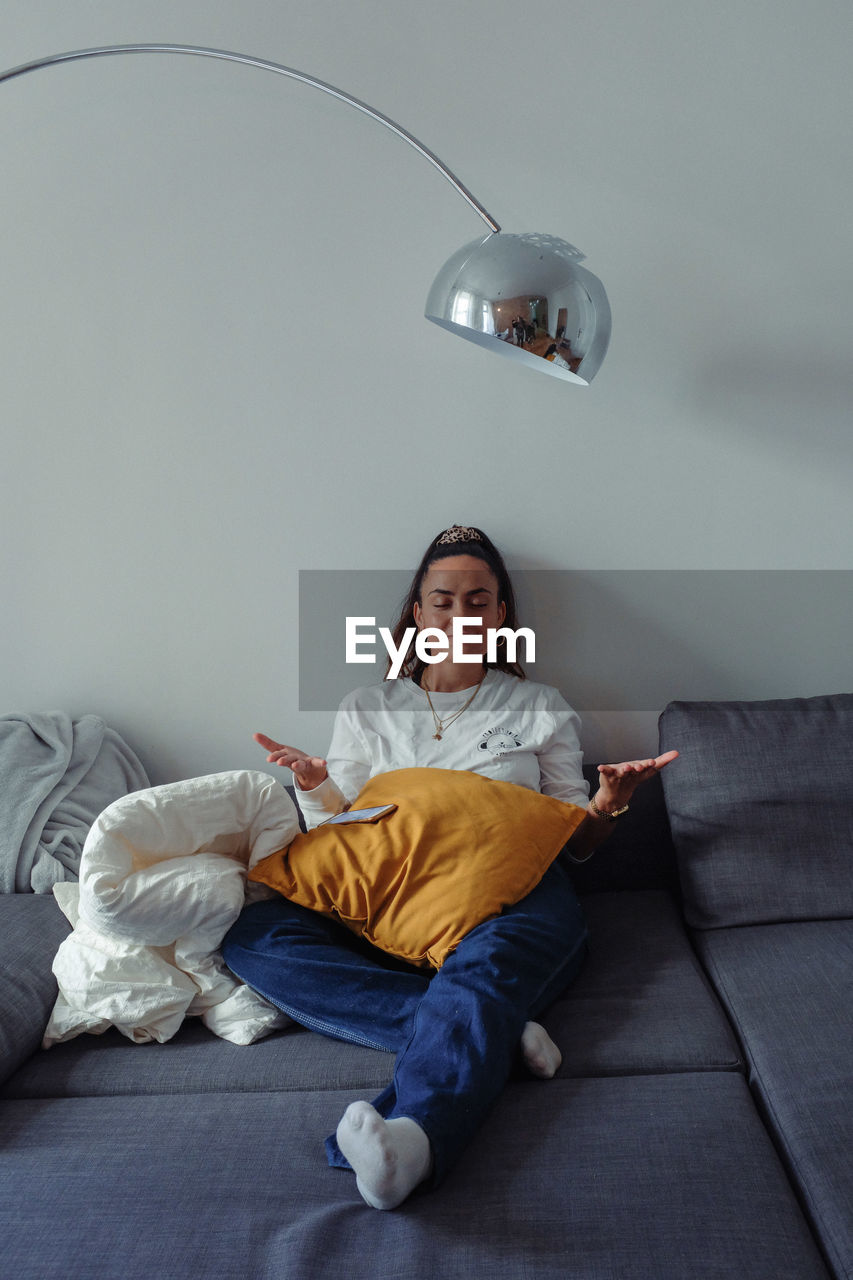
[(521, 295)]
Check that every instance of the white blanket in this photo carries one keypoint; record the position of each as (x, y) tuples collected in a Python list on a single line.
[(162, 879)]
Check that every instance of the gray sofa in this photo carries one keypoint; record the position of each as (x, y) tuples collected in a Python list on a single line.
[(700, 1125)]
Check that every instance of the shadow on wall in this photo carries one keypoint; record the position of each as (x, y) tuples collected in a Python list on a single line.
[(633, 640), (796, 398)]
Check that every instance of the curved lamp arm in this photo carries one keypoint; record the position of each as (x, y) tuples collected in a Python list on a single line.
[(78, 55), (525, 296)]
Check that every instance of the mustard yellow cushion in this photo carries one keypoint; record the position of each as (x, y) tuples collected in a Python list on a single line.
[(457, 849)]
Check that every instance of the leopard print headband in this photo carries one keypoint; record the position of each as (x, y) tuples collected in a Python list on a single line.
[(459, 533)]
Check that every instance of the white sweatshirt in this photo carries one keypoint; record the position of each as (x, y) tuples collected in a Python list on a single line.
[(515, 730)]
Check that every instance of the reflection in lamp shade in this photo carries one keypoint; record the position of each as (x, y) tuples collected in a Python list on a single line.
[(525, 296)]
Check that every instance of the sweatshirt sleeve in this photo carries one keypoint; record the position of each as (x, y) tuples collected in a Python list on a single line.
[(561, 758), (348, 764)]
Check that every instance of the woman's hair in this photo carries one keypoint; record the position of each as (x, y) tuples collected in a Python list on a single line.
[(458, 540)]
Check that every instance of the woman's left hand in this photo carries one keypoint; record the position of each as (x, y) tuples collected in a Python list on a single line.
[(617, 782)]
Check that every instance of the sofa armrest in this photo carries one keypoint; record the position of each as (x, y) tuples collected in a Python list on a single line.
[(31, 929)]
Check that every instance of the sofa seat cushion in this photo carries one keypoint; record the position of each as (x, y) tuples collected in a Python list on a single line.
[(197, 1061), (788, 989), (31, 929), (641, 1002), (663, 1176), (759, 797)]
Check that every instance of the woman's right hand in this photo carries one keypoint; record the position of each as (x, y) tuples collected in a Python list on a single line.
[(308, 771)]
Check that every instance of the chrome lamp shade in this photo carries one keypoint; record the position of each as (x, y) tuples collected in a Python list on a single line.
[(525, 296)]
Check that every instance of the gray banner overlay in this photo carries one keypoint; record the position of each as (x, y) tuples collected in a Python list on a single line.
[(618, 640)]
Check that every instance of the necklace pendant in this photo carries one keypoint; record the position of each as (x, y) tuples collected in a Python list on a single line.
[(437, 736)]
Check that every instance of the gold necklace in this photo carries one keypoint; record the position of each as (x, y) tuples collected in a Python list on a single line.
[(442, 725)]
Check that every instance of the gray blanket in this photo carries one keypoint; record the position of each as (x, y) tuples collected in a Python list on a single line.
[(56, 776)]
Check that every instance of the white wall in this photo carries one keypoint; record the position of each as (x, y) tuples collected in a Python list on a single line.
[(215, 370)]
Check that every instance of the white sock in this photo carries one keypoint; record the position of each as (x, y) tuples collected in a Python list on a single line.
[(541, 1055), (390, 1157)]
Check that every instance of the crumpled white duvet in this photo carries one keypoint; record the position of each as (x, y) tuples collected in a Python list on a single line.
[(162, 879)]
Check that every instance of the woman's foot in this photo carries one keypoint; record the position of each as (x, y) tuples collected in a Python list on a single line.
[(541, 1056), (390, 1157)]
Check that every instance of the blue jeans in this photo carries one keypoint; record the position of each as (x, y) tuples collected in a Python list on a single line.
[(455, 1031)]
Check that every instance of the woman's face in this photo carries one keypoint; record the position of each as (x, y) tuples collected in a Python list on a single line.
[(460, 587)]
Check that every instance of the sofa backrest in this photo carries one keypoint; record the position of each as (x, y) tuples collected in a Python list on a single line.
[(638, 854), (31, 929), (761, 808)]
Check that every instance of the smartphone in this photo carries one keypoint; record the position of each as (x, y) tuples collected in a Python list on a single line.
[(359, 815)]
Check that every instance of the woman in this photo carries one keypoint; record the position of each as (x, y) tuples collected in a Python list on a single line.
[(456, 1032)]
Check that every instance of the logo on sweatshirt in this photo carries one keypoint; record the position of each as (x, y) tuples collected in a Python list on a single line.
[(497, 742)]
